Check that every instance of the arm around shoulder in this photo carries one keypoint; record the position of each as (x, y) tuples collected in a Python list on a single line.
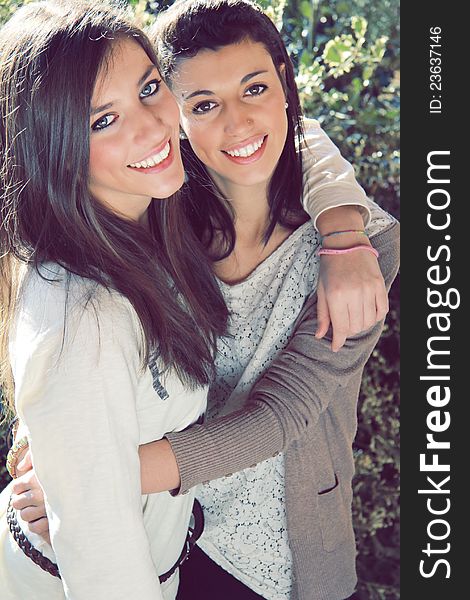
[(329, 180), (294, 391)]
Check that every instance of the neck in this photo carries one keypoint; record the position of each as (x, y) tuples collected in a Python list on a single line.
[(251, 208), (250, 225)]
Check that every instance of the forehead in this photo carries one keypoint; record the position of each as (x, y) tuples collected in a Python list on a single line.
[(125, 63), (215, 69)]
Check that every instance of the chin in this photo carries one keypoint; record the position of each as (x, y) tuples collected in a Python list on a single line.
[(254, 180), (169, 186)]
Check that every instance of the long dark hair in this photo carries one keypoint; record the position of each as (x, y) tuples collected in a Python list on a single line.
[(179, 33), (50, 55)]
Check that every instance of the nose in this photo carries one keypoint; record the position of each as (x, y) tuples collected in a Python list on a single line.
[(238, 118), (148, 126)]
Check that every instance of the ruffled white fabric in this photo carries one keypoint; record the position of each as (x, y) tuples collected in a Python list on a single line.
[(245, 528)]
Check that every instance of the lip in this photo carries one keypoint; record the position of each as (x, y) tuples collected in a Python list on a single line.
[(247, 142), (157, 168), (156, 150), (246, 160)]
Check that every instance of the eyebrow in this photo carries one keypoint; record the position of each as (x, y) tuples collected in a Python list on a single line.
[(244, 79), (141, 81)]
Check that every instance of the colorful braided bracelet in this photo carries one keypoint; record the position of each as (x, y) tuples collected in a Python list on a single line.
[(332, 233)]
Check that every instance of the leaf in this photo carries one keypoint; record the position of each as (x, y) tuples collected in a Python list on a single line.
[(359, 26), (332, 53), (306, 8), (367, 73), (356, 84), (306, 58), (337, 51), (377, 49)]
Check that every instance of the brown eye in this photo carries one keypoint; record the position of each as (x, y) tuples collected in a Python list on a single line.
[(204, 107), (256, 90)]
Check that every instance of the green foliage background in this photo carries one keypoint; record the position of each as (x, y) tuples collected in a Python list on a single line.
[(346, 54)]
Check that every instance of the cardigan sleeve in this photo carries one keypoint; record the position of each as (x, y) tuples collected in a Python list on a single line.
[(289, 397), (76, 395), (328, 178)]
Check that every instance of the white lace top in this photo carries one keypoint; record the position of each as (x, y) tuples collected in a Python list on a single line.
[(246, 529)]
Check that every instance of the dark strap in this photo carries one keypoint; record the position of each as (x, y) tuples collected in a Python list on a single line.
[(25, 545), (194, 533)]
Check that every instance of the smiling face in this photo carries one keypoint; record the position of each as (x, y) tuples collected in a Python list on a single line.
[(134, 134), (232, 105)]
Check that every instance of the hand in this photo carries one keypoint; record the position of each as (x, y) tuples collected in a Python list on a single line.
[(351, 294), (24, 463), (28, 498)]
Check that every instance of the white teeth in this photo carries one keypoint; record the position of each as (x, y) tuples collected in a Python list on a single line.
[(247, 150), (154, 160)]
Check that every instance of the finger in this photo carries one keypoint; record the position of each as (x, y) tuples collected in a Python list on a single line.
[(356, 315), (338, 340), (41, 526), (20, 486), (33, 513), (24, 500), (323, 314), (340, 324), (381, 301), (25, 482), (25, 464), (31, 497), (370, 312)]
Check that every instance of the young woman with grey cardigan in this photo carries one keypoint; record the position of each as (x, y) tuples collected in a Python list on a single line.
[(305, 408)]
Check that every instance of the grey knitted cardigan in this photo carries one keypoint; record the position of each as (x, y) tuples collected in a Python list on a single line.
[(305, 406)]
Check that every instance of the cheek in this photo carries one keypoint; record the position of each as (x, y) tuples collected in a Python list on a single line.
[(169, 110), (276, 108), (95, 162), (200, 136), (104, 157), (277, 114)]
